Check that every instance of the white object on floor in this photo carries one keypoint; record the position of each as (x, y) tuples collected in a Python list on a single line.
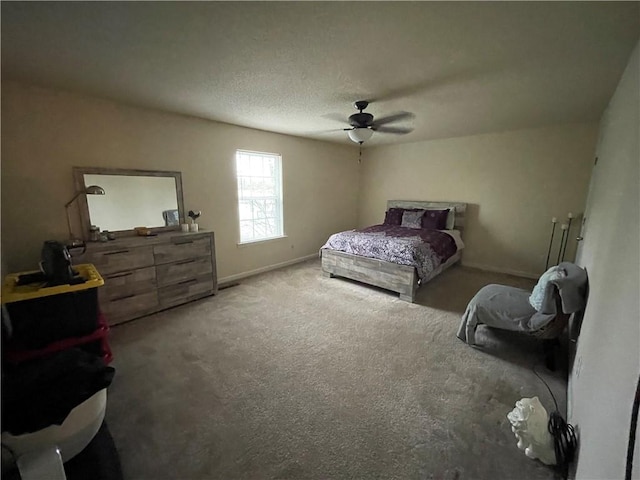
[(42, 465), (75, 433), (529, 421)]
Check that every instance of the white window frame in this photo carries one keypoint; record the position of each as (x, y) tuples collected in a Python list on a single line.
[(278, 196)]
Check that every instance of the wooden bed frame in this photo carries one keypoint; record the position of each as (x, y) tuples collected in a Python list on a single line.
[(397, 278)]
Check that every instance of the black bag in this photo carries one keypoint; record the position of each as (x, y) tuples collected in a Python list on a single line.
[(43, 392)]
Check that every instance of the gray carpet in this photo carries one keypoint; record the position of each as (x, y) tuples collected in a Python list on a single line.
[(295, 375)]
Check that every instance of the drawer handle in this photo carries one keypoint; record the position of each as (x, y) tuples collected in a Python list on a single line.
[(117, 252), (183, 243), (119, 275), (184, 262), (123, 298), (193, 280)]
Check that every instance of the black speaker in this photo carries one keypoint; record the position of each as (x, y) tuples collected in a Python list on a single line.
[(56, 264)]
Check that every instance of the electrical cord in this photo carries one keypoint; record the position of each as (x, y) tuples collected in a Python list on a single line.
[(632, 432), (564, 442), (563, 434)]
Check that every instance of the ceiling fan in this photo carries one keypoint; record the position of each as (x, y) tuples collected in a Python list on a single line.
[(363, 124)]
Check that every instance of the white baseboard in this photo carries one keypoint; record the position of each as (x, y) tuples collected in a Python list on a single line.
[(250, 273), (489, 268)]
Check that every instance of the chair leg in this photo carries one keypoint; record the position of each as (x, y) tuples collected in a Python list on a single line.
[(549, 349)]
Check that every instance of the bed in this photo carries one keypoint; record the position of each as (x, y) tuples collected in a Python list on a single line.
[(338, 259)]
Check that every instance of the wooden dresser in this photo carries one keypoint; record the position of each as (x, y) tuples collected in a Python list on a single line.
[(143, 275)]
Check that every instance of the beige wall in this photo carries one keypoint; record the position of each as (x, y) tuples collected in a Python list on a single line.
[(46, 132), (607, 364), (514, 183)]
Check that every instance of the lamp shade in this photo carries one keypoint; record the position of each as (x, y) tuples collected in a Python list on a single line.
[(90, 190), (360, 135)]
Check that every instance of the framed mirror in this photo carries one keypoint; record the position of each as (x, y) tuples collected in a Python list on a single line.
[(132, 198)]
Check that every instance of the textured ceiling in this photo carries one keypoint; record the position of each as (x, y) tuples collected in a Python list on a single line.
[(461, 67)]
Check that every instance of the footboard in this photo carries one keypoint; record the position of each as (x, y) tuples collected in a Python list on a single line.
[(397, 278)]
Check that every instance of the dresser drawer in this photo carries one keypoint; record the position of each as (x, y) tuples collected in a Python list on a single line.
[(132, 281), (121, 259), (172, 273), (182, 248), (186, 290), (128, 306), (144, 275)]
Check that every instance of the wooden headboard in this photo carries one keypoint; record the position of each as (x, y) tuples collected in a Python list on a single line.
[(460, 208)]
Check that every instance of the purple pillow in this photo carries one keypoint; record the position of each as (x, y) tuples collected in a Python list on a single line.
[(393, 216), (435, 219)]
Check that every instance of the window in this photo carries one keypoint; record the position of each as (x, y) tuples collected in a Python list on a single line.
[(259, 195)]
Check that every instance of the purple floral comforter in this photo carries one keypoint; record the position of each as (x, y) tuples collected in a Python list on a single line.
[(420, 248)]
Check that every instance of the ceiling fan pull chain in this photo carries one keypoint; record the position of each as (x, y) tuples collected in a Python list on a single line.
[(360, 154)]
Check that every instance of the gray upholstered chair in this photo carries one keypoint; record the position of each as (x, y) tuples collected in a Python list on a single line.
[(560, 292)]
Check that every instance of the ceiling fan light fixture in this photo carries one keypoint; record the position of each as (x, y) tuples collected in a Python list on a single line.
[(360, 135)]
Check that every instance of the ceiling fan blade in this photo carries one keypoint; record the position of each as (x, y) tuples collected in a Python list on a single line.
[(395, 130), (311, 133), (337, 117), (396, 117)]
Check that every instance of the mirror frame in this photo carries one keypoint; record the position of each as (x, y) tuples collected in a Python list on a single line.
[(83, 206)]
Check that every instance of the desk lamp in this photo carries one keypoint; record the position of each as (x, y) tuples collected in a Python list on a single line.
[(90, 190)]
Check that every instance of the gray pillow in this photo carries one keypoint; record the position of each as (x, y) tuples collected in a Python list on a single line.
[(412, 219)]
